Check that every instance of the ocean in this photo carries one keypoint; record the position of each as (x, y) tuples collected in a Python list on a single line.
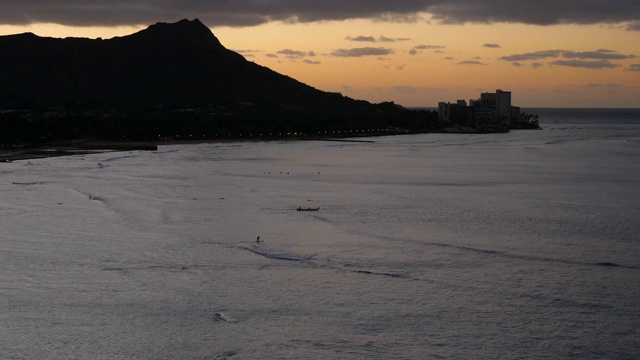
[(520, 245)]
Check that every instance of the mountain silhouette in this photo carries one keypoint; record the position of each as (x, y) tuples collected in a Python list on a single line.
[(134, 87), (181, 62)]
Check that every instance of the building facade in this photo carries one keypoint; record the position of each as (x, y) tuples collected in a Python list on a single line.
[(490, 111)]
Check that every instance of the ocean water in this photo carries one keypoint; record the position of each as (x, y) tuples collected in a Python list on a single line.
[(523, 245)]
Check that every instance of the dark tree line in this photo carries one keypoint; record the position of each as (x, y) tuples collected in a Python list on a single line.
[(38, 127)]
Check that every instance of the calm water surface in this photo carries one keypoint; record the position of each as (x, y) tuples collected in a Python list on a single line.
[(514, 246)]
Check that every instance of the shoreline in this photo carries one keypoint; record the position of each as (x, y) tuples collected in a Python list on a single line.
[(16, 154), (27, 153), (41, 152), (83, 148)]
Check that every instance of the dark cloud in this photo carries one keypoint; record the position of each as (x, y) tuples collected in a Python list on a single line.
[(634, 67), (536, 64), (373, 39), (634, 26), (600, 54), (491, 46), (598, 59), (358, 52), (394, 17), (251, 12), (416, 49), (537, 12), (596, 65), (271, 55), (386, 39), (538, 55), (517, 64), (427, 47), (311, 62), (295, 54), (471, 62), (361, 38)]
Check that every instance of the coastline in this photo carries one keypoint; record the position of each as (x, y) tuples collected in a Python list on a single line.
[(82, 148), (16, 154)]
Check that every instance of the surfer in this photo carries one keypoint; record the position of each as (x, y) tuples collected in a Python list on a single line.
[(258, 239)]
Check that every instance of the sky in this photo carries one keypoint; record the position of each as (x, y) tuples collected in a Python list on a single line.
[(548, 53)]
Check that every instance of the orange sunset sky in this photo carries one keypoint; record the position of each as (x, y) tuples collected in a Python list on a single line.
[(416, 53)]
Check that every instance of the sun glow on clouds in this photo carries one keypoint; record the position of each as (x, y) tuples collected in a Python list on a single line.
[(434, 63), (420, 63)]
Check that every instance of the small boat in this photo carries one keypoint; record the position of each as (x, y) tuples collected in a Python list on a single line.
[(307, 209)]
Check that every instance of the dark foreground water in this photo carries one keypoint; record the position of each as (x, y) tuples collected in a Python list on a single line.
[(513, 246)]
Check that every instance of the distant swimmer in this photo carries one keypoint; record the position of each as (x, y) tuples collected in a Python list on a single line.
[(258, 240)]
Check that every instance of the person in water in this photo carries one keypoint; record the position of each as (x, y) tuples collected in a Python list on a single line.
[(258, 239)]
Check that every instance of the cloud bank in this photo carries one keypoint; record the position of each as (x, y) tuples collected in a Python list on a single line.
[(295, 54), (600, 54), (418, 48), (471, 62), (251, 12), (598, 59), (359, 52), (381, 38)]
